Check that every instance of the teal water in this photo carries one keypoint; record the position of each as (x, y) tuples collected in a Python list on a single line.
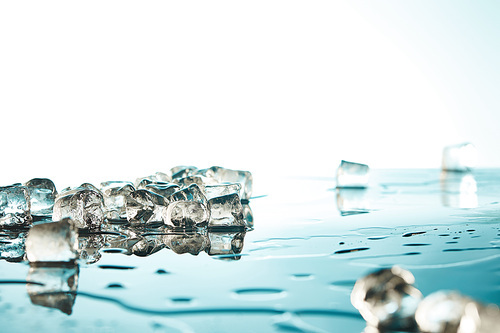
[(292, 273)]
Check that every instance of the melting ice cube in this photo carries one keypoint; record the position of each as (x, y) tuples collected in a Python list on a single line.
[(350, 174), (164, 190), (43, 194), (15, 207), (84, 207), (52, 242), (54, 287), (191, 193), (12, 245), (144, 207), (386, 298), (222, 175), (224, 243), (460, 157), (192, 243), (89, 246), (114, 199), (226, 211), (186, 214), (212, 191)]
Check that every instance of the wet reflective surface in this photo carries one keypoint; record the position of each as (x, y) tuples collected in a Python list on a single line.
[(293, 272)]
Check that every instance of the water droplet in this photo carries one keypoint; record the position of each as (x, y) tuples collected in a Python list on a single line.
[(302, 277), (161, 271), (416, 244), (410, 234), (259, 294), (351, 250), (116, 267), (115, 286), (113, 251)]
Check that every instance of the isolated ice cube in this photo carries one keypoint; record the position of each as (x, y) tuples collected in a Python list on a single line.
[(12, 245), (84, 207), (225, 243), (114, 199), (387, 298), (42, 193), (226, 211), (217, 190), (186, 214), (222, 175), (144, 207), (460, 157), (52, 242), (192, 243), (450, 312), (54, 286), (350, 174), (15, 207)]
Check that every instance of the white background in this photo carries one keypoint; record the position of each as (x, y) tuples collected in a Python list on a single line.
[(101, 90)]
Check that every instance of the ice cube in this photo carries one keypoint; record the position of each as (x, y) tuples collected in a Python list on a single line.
[(226, 243), (186, 214), (458, 189), (351, 201), (387, 298), (226, 211), (52, 242), (191, 193), (15, 207), (147, 245), (247, 215), (182, 171), (12, 245), (350, 174), (165, 190), (460, 157), (114, 199), (84, 207), (201, 181), (89, 246), (222, 175), (43, 194), (144, 207), (192, 243), (212, 191), (54, 286), (450, 312)]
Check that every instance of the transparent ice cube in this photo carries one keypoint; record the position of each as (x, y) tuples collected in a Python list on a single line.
[(226, 211), (192, 243), (52, 242), (222, 175), (217, 190), (54, 287), (147, 245), (458, 189), (350, 174), (460, 157), (226, 243), (387, 298), (191, 193), (15, 207), (248, 215), (84, 207), (144, 207), (42, 193), (89, 246), (199, 180), (351, 201), (182, 171), (165, 190), (186, 214), (114, 199)]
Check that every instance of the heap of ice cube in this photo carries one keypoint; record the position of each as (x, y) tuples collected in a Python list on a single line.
[(184, 197)]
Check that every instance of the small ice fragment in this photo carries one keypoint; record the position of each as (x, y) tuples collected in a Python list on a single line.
[(55, 286), (43, 194), (15, 207), (84, 207), (224, 243), (186, 214), (52, 242), (114, 199), (222, 175), (387, 298), (144, 207), (187, 243), (460, 157), (226, 211), (212, 191), (350, 174)]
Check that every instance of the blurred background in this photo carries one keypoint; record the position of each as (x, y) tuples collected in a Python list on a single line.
[(108, 90)]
